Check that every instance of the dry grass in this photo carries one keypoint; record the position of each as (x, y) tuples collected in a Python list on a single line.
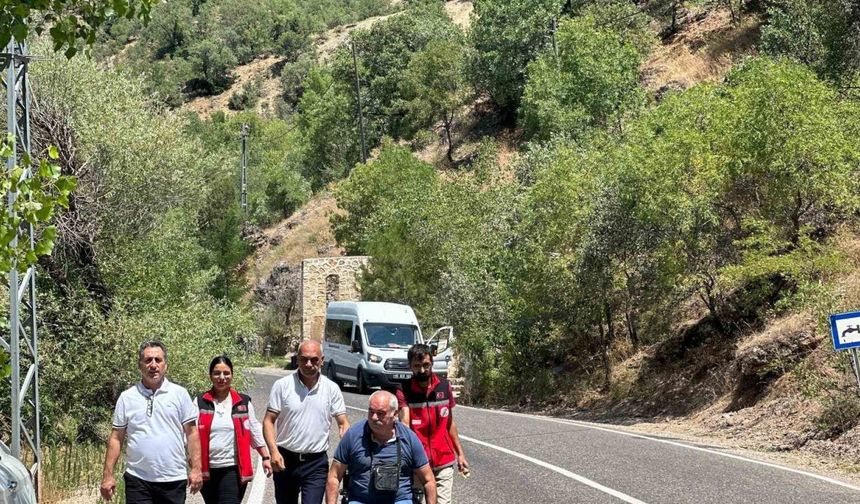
[(703, 51), (305, 234), (460, 12), (262, 68), (330, 41)]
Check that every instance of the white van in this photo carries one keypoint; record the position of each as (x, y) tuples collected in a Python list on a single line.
[(365, 343)]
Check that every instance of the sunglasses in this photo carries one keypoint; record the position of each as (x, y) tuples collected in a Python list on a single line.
[(312, 360), (149, 406)]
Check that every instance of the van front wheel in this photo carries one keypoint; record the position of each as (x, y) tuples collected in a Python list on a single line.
[(361, 383), (332, 375)]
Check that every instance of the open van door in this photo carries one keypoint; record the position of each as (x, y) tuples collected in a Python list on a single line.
[(441, 342)]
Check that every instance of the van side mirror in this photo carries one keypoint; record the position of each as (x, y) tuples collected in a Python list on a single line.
[(355, 346), (434, 349)]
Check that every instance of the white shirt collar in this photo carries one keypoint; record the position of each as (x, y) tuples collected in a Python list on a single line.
[(147, 392)]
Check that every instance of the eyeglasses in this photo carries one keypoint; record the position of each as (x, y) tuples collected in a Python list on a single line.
[(378, 413), (149, 406), (312, 360)]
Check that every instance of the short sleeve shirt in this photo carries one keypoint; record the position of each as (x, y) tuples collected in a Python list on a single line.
[(355, 450), (153, 422), (304, 415)]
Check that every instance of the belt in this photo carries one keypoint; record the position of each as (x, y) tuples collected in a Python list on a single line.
[(301, 457)]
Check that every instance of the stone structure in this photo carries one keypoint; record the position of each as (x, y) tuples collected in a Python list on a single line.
[(327, 279)]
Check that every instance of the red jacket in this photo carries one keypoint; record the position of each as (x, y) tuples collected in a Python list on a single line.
[(206, 405), (430, 412)]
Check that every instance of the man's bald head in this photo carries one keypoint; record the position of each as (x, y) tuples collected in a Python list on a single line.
[(310, 345), (310, 359)]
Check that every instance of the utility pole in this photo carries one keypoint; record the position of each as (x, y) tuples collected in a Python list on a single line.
[(22, 343), (358, 102), (244, 182)]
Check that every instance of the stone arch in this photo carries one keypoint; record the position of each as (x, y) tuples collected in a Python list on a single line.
[(332, 287)]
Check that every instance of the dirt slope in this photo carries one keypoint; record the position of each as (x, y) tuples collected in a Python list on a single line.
[(703, 51), (307, 233), (263, 68)]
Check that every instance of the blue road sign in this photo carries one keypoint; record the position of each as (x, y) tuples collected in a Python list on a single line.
[(845, 329)]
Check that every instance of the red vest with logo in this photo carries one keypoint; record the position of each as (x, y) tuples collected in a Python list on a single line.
[(206, 404), (430, 415)]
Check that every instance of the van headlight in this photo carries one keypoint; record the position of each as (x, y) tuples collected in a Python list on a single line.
[(374, 358)]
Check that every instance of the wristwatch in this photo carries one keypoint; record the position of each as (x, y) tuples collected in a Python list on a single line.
[(266, 457)]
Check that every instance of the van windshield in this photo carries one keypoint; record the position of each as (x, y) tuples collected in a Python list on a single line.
[(391, 335)]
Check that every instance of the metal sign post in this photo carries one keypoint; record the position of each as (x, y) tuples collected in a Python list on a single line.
[(845, 330)]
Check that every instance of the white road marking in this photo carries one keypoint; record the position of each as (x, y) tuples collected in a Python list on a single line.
[(564, 472), (673, 443), (258, 485)]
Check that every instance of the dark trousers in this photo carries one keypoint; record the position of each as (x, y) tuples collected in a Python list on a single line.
[(138, 491), (306, 477), (223, 486)]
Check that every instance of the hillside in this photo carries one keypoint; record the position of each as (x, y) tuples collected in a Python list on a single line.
[(771, 387)]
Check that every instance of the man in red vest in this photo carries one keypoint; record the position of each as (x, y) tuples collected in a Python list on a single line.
[(427, 406)]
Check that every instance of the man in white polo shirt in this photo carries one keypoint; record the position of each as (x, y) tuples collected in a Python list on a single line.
[(296, 428), (157, 417)]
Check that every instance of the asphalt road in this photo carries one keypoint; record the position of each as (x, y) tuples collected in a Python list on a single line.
[(523, 459)]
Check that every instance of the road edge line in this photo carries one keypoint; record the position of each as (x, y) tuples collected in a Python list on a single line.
[(258, 485), (599, 427), (564, 472)]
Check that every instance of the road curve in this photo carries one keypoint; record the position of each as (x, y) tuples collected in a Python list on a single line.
[(523, 458)]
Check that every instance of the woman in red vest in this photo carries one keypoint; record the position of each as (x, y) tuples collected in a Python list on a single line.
[(228, 432)]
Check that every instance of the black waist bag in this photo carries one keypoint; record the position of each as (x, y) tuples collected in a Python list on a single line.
[(386, 475)]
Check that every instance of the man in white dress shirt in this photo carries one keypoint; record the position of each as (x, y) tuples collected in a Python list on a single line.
[(296, 428)]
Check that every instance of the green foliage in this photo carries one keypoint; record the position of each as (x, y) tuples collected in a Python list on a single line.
[(384, 53), (328, 130), (716, 192), (434, 86), (204, 41), (170, 31), (72, 24), (37, 198), (375, 192), (247, 97), (143, 255), (822, 34), (592, 82), (506, 36), (293, 78), (211, 61)]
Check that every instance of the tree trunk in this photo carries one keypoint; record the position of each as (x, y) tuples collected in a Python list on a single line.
[(448, 123), (607, 342), (631, 329)]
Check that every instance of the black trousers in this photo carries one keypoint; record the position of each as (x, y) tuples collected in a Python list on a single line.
[(308, 477), (138, 491), (223, 486)]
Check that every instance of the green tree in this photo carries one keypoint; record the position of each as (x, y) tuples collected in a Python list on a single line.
[(592, 82), (822, 34), (435, 87), (170, 30), (212, 61), (384, 53), (375, 192), (506, 36), (328, 129)]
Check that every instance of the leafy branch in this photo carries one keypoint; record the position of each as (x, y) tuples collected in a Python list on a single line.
[(37, 198)]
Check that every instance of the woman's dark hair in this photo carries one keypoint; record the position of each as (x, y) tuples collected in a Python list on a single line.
[(221, 359)]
